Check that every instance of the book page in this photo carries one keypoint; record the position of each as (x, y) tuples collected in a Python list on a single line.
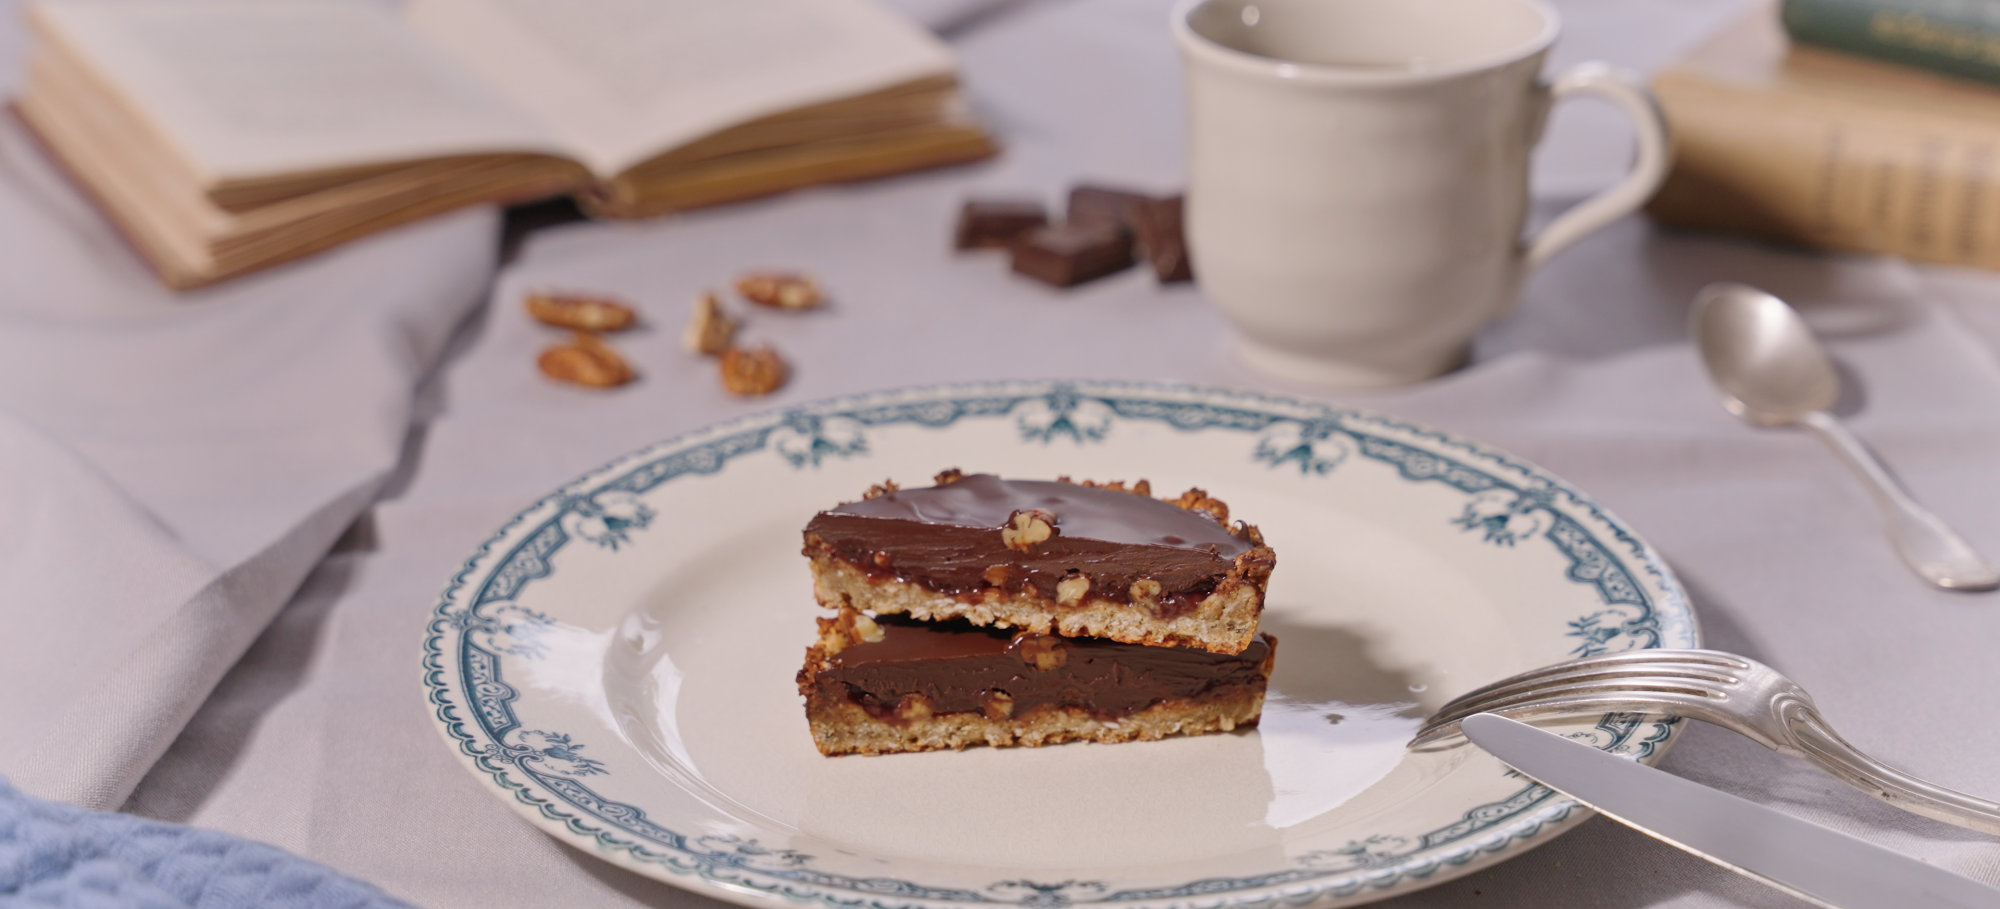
[(248, 88), (620, 81)]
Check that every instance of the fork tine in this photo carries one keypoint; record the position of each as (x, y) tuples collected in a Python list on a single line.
[(1687, 659), (1652, 679), (1581, 671), (1638, 686), (1437, 736)]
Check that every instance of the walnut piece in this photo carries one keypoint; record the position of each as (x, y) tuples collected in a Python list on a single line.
[(880, 489), (996, 704), (753, 371), (709, 329), (1256, 564), (586, 360), (1146, 592), (846, 629), (948, 475), (1070, 590), (866, 629), (579, 312), (784, 290), (1140, 488), (1198, 500), (913, 707), (1042, 651), (1026, 528), (996, 575)]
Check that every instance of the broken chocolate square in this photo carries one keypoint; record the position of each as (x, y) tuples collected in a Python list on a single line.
[(1097, 205), (1156, 229), (1069, 254), (985, 223)]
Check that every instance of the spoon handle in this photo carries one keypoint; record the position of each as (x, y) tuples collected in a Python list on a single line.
[(1932, 549)]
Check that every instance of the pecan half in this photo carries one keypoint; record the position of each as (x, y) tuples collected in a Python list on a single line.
[(586, 360), (784, 290), (580, 312)]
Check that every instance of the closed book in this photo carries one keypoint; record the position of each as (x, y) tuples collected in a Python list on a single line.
[(1804, 145), (1955, 37)]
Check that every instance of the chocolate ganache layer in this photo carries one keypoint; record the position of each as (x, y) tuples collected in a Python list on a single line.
[(949, 538), (956, 667)]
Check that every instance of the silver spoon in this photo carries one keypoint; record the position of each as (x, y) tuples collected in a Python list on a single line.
[(1773, 372)]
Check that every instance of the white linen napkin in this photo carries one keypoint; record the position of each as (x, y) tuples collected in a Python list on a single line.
[(173, 464)]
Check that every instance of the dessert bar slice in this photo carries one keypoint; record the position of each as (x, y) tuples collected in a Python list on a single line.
[(874, 686), (1074, 559)]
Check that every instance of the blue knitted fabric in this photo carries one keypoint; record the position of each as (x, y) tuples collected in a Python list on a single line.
[(61, 856)]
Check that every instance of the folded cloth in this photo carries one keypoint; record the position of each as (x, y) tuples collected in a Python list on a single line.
[(173, 464), (62, 856)]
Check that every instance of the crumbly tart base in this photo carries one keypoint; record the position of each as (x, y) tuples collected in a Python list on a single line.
[(840, 726), (1224, 622)]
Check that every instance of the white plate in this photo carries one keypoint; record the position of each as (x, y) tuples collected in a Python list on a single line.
[(617, 662)]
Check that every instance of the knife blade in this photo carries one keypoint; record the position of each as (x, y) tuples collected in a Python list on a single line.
[(1822, 866)]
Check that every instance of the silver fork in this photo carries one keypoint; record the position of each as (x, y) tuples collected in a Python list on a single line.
[(1721, 688)]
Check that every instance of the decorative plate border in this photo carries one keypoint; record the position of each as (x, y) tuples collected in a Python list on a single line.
[(1509, 502)]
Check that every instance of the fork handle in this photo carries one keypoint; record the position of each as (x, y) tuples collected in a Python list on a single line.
[(1817, 742)]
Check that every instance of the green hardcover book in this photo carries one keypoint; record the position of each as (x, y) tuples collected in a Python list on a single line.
[(1955, 37)]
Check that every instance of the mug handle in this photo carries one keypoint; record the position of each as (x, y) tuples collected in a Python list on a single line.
[(1624, 90)]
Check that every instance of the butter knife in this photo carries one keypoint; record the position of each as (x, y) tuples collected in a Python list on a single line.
[(1824, 867)]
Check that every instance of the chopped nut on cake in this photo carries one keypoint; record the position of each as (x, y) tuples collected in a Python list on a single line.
[(1073, 559)]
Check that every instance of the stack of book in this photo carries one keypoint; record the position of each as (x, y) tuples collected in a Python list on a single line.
[(1859, 125), (227, 135)]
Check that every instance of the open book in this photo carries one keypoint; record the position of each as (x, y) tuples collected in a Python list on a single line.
[(227, 135)]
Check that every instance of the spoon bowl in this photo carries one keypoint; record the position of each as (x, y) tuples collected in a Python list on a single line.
[(1771, 370), (1763, 358)]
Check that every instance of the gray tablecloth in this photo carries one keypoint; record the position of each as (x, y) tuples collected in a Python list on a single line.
[(210, 464)]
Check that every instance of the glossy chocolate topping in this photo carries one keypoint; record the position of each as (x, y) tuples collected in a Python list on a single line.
[(959, 666), (947, 537)]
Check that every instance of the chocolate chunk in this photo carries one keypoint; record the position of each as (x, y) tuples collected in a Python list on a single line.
[(1098, 205), (984, 223), (1069, 254), (1156, 228)]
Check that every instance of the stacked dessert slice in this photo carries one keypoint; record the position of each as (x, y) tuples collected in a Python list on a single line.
[(1024, 612)]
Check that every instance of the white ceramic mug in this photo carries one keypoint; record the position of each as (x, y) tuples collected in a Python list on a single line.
[(1359, 174)]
